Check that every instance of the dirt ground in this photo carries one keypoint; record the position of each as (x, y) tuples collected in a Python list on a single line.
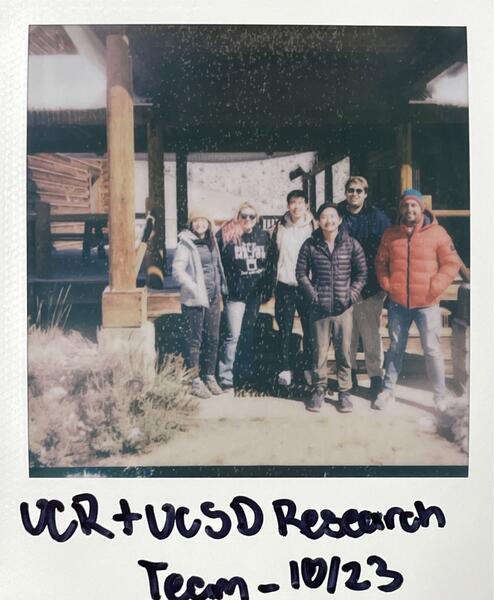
[(244, 430)]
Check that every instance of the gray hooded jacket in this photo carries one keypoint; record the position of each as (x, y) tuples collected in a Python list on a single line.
[(187, 270)]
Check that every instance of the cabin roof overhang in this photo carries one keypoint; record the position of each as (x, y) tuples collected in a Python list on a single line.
[(263, 87)]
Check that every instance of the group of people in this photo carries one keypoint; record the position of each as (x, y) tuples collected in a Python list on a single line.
[(335, 271)]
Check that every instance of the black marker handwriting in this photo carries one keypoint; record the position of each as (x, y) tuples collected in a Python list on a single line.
[(247, 517)]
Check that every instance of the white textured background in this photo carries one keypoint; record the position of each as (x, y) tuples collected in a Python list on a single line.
[(453, 563)]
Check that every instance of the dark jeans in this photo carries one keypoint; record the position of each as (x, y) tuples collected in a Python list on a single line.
[(288, 299), (202, 333)]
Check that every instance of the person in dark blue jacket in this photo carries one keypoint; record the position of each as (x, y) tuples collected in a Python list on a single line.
[(366, 224), (331, 272)]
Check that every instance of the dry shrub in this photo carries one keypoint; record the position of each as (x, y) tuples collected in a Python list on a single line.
[(453, 421), (85, 402)]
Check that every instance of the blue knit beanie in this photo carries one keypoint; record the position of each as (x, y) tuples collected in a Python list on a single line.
[(412, 194)]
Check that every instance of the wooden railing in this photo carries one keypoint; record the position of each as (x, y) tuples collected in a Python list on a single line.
[(41, 237)]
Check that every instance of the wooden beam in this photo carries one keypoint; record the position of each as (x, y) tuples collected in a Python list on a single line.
[(451, 213), (155, 260), (120, 132), (163, 302), (182, 196)]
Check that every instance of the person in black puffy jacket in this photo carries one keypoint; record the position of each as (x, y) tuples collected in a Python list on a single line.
[(331, 271)]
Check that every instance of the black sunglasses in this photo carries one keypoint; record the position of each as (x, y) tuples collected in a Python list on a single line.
[(247, 216), (355, 190)]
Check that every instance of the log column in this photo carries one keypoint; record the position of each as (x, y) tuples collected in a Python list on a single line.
[(404, 143), (157, 248), (123, 305), (120, 141), (182, 196)]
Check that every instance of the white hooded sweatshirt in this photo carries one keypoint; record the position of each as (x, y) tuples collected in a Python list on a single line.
[(289, 239)]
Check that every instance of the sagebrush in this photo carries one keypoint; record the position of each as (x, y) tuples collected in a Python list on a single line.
[(86, 403)]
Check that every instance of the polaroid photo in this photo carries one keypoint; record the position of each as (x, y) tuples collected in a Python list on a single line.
[(240, 301)]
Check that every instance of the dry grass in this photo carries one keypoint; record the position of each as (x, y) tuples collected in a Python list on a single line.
[(85, 403)]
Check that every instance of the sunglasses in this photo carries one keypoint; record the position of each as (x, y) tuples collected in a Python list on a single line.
[(355, 190), (247, 216)]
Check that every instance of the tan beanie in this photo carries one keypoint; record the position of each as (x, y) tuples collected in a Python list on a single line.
[(197, 213)]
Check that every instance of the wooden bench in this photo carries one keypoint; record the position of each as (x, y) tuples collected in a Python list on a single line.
[(41, 237)]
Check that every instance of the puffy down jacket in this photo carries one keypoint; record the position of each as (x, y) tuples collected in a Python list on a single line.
[(331, 281), (416, 268)]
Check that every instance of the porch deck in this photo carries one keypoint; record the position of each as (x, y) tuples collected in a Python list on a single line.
[(85, 283)]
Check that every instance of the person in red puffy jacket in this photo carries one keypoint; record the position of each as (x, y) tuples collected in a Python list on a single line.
[(415, 263)]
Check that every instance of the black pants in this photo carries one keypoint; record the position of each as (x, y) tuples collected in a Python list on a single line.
[(202, 333), (288, 299)]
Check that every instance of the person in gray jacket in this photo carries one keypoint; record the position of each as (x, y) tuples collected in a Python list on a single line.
[(197, 268)]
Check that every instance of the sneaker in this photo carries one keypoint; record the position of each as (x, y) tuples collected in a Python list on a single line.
[(285, 378), (384, 399), (354, 380), (316, 400), (226, 385), (444, 412), (308, 376), (198, 389), (443, 403), (376, 386), (344, 403), (212, 385)]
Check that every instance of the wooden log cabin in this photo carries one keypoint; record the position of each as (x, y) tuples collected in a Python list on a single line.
[(356, 92)]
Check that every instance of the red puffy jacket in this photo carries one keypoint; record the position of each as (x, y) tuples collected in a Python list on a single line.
[(415, 269)]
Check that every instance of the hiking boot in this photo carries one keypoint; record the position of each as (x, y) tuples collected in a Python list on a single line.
[(198, 389), (376, 386), (344, 403), (384, 400), (308, 376), (212, 385), (354, 380), (285, 378), (316, 400)]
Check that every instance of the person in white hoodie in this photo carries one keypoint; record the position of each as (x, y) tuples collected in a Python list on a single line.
[(288, 235), (197, 268)]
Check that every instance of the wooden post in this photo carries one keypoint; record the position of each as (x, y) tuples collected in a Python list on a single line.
[(155, 260), (305, 186), (328, 184), (42, 236), (312, 194), (404, 142), (120, 141), (123, 305), (182, 198)]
